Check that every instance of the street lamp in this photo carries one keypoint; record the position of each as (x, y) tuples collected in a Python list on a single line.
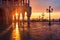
[(49, 10)]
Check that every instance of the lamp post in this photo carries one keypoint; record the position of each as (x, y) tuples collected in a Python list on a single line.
[(49, 10)]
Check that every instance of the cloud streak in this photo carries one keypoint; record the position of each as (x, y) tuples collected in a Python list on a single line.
[(41, 5)]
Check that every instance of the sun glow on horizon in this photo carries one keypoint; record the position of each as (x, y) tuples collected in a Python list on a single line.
[(38, 15), (54, 15)]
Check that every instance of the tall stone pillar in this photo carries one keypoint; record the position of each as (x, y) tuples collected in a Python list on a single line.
[(7, 12)]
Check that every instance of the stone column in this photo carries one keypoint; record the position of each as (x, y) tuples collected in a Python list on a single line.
[(7, 12)]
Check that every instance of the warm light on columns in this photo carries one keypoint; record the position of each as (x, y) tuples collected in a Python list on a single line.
[(13, 18), (20, 16), (16, 16)]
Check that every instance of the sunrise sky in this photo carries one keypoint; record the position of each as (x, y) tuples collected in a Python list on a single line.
[(40, 6)]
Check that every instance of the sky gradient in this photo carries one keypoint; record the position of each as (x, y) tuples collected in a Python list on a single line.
[(40, 6)]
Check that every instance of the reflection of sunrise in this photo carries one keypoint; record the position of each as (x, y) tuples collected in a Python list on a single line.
[(16, 32)]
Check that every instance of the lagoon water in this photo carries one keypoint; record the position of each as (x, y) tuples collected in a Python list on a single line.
[(38, 31)]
